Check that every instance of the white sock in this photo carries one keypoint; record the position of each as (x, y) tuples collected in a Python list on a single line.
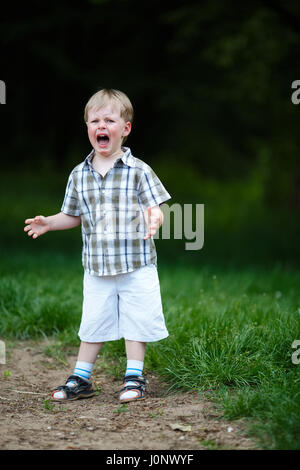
[(82, 369), (133, 368)]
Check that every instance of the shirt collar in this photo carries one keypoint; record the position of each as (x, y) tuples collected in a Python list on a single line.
[(126, 158)]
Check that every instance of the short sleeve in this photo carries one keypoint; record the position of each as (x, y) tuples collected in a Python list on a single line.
[(151, 190), (70, 204)]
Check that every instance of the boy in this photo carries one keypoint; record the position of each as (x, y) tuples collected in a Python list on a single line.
[(111, 193)]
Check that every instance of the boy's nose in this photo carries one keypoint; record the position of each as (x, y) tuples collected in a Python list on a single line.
[(102, 124)]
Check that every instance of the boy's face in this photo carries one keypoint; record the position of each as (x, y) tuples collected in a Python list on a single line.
[(106, 129)]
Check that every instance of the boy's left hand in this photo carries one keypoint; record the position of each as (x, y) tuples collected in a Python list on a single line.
[(154, 220)]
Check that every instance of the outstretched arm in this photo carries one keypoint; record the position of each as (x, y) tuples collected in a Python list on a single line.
[(40, 224)]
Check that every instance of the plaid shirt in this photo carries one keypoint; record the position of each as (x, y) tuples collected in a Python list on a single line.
[(112, 213)]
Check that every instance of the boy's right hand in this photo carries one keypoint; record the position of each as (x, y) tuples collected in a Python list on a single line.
[(37, 226)]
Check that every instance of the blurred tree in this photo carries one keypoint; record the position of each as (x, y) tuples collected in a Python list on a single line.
[(210, 82)]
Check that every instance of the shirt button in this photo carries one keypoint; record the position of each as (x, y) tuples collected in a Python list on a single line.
[(103, 191)]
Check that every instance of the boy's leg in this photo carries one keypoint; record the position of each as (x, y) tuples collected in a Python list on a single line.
[(135, 352), (140, 318), (88, 352), (86, 358)]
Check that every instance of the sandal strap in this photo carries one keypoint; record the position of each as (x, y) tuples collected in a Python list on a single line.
[(133, 387), (135, 378), (74, 378), (71, 392), (139, 386)]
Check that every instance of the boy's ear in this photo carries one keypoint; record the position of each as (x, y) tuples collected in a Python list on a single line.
[(127, 129)]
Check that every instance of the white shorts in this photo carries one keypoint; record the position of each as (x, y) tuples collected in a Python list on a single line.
[(123, 306)]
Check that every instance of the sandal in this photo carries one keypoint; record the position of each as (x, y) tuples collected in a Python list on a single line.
[(139, 387), (81, 389)]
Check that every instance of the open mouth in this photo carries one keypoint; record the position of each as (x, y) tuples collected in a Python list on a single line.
[(102, 140)]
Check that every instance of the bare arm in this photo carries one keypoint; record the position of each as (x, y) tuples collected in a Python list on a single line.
[(154, 218), (40, 224)]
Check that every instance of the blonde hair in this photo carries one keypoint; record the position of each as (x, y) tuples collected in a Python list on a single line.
[(108, 95)]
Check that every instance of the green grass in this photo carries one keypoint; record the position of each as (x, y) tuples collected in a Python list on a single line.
[(231, 332), (34, 304), (232, 309)]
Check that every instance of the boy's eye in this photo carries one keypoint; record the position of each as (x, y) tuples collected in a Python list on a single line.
[(96, 120)]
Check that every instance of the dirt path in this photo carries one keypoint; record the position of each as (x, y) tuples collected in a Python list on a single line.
[(27, 421)]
